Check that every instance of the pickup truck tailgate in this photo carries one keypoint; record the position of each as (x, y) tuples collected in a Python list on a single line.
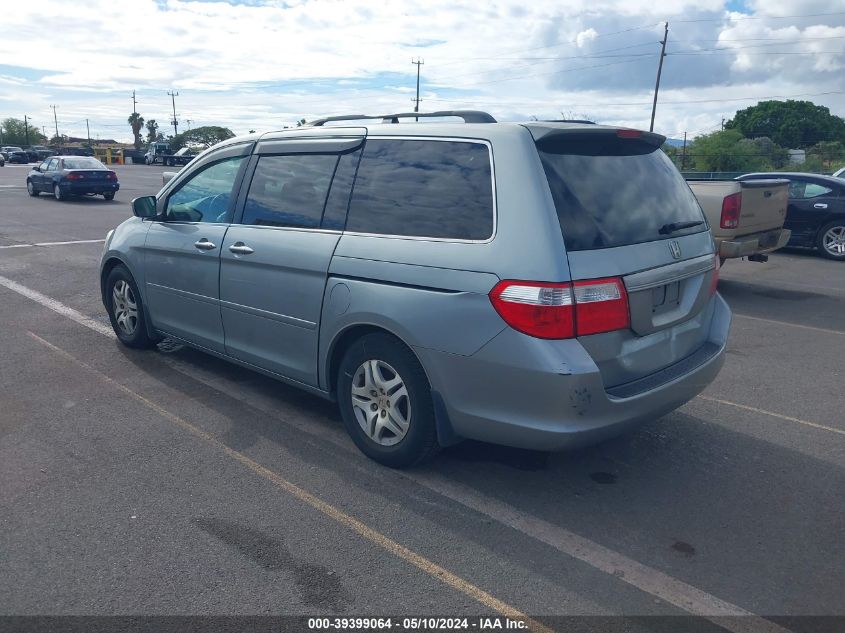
[(764, 205)]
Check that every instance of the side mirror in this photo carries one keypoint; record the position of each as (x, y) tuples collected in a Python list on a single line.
[(36, 168), (144, 207)]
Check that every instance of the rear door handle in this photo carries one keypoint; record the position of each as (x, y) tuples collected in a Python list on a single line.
[(820, 205), (205, 245), (239, 248)]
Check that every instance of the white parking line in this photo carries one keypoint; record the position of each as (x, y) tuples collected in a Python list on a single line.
[(780, 416), (645, 578), (57, 306), (53, 243), (798, 325)]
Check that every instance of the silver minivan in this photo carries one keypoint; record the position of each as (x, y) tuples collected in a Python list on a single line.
[(541, 285)]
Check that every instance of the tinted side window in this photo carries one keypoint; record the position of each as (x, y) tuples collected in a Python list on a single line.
[(440, 189), (206, 195), (52, 164), (334, 217), (289, 190)]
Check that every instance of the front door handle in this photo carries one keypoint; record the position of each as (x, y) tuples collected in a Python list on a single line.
[(820, 205), (205, 245), (239, 248)]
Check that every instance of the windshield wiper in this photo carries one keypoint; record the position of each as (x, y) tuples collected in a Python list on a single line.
[(670, 228)]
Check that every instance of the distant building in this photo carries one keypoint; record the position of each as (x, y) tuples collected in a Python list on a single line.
[(797, 156)]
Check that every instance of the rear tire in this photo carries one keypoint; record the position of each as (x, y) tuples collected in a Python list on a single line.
[(109, 195), (31, 190), (385, 401), (831, 240), (58, 194), (126, 309)]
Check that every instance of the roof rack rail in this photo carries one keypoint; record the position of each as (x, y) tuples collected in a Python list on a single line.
[(568, 121), (469, 116)]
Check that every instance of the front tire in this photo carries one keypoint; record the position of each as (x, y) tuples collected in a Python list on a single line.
[(385, 401), (126, 309), (58, 194), (31, 190), (831, 240)]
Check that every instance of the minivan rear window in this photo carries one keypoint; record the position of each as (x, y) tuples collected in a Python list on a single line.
[(613, 192), (423, 188)]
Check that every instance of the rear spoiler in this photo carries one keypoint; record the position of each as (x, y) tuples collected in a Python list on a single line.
[(544, 132)]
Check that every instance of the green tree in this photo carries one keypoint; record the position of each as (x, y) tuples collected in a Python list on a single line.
[(137, 123), (726, 150), (201, 137), (13, 133), (153, 134), (790, 124), (827, 153)]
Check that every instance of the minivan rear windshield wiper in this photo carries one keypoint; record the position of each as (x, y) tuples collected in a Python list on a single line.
[(667, 229)]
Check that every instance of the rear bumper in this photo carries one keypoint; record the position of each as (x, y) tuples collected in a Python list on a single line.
[(754, 244), (82, 188), (549, 395)]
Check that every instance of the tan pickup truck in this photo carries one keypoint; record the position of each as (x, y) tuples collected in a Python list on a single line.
[(746, 218)]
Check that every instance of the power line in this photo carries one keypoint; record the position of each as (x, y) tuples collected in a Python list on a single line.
[(537, 48), (760, 17)]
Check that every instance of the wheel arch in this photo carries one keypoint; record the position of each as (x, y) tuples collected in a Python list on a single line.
[(112, 262), (347, 336)]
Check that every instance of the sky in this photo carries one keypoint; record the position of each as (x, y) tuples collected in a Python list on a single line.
[(263, 64)]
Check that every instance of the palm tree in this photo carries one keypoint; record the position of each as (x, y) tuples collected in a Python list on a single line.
[(137, 123)]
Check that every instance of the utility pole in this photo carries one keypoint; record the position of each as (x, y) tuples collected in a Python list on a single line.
[(684, 153), (659, 70), (25, 129), (419, 62), (56, 121), (173, 96), (88, 129)]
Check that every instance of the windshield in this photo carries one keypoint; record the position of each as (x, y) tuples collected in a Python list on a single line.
[(83, 163), (617, 192)]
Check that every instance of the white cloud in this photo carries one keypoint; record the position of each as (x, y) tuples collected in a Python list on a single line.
[(262, 64)]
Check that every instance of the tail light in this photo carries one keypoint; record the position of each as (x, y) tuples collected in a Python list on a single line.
[(731, 208), (111, 175), (75, 176), (625, 132), (714, 280), (543, 310), (562, 310), (601, 305)]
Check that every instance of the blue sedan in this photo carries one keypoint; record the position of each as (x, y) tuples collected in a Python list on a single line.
[(65, 176)]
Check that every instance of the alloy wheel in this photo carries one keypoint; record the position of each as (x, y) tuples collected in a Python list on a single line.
[(834, 241), (380, 402), (125, 307)]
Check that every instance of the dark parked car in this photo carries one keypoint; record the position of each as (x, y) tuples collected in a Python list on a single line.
[(14, 154), (816, 211), (66, 176), (37, 153)]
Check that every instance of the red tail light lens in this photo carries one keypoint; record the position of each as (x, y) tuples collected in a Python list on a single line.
[(75, 176), (543, 310), (562, 310), (601, 305), (111, 176), (731, 208), (714, 280)]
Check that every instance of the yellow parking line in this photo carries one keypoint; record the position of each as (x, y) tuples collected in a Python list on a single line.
[(789, 418), (787, 323), (429, 567)]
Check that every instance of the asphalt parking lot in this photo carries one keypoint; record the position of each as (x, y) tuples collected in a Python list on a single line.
[(170, 482)]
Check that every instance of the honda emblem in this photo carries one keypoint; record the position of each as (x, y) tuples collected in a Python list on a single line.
[(675, 249)]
